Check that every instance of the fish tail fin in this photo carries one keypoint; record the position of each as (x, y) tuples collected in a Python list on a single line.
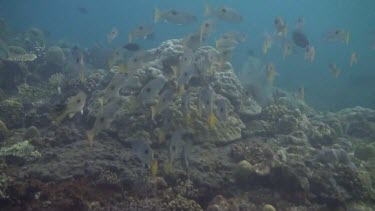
[(180, 90), (61, 117), (154, 168), (175, 71), (207, 9), (130, 37), (201, 36), (161, 135), (187, 118), (122, 68), (156, 15), (133, 103), (71, 115), (154, 111), (347, 38), (90, 136), (212, 120)]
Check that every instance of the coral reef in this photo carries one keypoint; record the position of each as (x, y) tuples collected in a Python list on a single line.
[(3, 131), (12, 113), (20, 153)]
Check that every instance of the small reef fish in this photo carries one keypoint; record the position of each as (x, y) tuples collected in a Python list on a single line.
[(144, 152), (174, 16), (79, 64), (113, 88), (353, 59), (142, 31), (334, 70), (224, 13), (185, 107), (270, 73), (187, 72), (239, 37), (301, 93), (185, 158), (137, 60), (337, 35), (267, 43), (74, 105), (132, 47), (281, 27), (300, 39), (151, 90), (221, 110), (300, 23), (82, 10), (165, 99), (225, 44), (206, 28), (105, 117), (310, 53), (192, 41), (176, 144), (112, 35), (206, 105), (287, 51)]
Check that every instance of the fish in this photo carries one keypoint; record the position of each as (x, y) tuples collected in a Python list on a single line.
[(224, 56), (300, 23), (206, 28), (151, 90), (142, 31), (192, 41), (335, 71), (224, 13), (185, 107), (206, 104), (337, 35), (301, 93), (185, 158), (104, 119), (112, 35), (300, 39), (239, 37), (79, 64), (174, 16), (165, 99), (226, 44), (267, 43), (74, 105), (310, 53), (144, 152), (154, 168), (176, 144), (82, 10), (221, 110), (281, 27), (116, 58), (132, 46), (270, 73), (287, 50), (353, 59), (187, 72), (113, 88)]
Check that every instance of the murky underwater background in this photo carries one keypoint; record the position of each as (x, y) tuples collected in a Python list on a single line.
[(354, 87)]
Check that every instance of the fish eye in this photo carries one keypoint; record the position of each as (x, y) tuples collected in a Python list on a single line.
[(135, 60), (77, 60), (337, 31), (174, 12), (207, 102), (173, 148), (148, 89), (101, 119), (206, 25), (185, 74), (223, 10), (79, 100), (140, 27), (146, 151)]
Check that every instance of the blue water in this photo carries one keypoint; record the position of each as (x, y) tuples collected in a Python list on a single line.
[(355, 86)]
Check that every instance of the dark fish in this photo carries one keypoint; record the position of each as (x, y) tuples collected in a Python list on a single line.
[(82, 10), (300, 39), (132, 47)]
